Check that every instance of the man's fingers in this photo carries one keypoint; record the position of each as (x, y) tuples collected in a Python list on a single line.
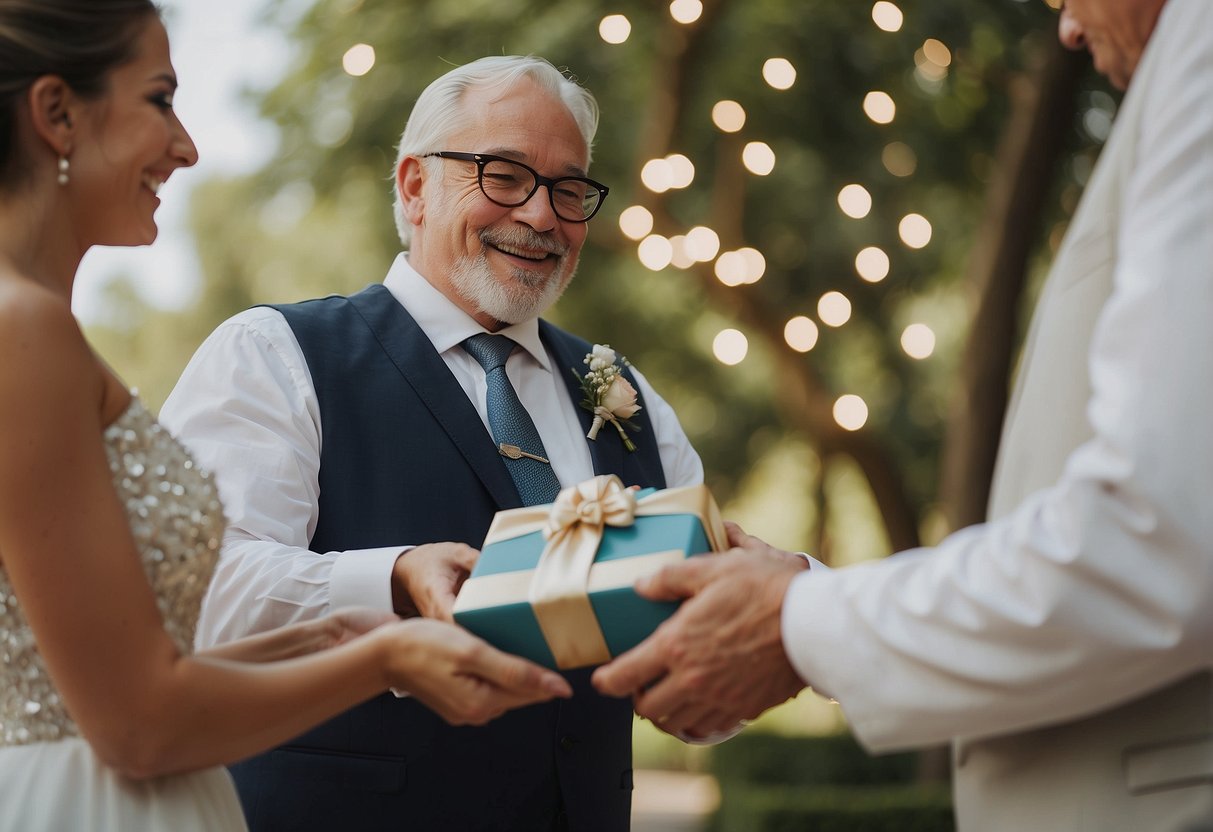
[(681, 719), (736, 533), (439, 602), (433, 598), (668, 704), (630, 672), (676, 582), (715, 723), (740, 539), (465, 556)]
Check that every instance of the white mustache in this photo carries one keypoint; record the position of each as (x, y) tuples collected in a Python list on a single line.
[(518, 238)]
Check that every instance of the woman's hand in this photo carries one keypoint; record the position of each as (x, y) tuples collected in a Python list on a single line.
[(347, 623), (459, 676)]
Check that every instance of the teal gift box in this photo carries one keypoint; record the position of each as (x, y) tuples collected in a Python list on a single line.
[(554, 582)]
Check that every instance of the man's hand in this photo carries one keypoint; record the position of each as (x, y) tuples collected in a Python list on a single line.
[(426, 579), (720, 659)]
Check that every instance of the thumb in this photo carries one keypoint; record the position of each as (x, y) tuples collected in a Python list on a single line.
[(465, 557), (676, 582), (737, 535)]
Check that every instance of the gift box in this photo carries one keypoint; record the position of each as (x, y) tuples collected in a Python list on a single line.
[(554, 582)]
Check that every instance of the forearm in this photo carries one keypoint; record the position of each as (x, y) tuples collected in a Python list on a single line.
[(189, 713), (261, 585), (1004, 626), (292, 641), (210, 710)]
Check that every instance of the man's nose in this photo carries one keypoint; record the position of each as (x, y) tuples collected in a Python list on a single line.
[(1069, 31), (537, 212)]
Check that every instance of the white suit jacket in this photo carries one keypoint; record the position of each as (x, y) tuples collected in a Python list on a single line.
[(1068, 642)]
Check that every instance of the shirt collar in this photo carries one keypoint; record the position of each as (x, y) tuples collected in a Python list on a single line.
[(444, 323)]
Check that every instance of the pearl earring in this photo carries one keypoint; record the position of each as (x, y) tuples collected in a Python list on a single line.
[(64, 166)]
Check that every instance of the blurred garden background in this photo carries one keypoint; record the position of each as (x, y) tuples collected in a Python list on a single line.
[(826, 228)]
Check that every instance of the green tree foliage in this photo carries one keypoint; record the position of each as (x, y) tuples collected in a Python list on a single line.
[(317, 219)]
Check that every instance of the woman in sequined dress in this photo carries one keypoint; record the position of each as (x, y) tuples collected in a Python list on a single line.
[(108, 532)]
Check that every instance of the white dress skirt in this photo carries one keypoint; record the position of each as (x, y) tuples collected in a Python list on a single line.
[(50, 779), (63, 786)]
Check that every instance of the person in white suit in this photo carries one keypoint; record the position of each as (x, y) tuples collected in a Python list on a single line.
[(1066, 645)]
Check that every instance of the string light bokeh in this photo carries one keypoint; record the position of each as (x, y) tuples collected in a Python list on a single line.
[(931, 61)]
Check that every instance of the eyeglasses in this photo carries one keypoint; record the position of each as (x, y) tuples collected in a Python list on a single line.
[(509, 184)]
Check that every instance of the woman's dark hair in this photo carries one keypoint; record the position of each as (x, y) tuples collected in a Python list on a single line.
[(81, 41)]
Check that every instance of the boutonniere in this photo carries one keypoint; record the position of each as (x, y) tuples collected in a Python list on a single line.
[(608, 395)]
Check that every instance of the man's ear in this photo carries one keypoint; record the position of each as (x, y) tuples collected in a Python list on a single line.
[(410, 181), (53, 112)]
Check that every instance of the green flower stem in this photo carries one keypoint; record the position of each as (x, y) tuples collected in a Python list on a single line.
[(627, 443)]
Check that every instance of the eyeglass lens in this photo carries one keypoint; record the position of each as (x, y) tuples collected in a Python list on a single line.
[(509, 185)]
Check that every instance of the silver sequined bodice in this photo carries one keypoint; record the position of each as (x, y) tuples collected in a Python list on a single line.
[(177, 522)]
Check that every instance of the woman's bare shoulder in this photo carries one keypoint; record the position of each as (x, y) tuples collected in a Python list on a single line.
[(28, 309), (46, 357)]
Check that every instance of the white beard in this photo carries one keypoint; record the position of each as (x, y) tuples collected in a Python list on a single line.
[(527, 295)]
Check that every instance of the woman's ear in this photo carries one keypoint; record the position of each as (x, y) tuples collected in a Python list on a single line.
[(53, 111), (410, 180)]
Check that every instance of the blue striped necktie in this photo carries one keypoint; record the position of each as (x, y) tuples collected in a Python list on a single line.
[(512, 428)]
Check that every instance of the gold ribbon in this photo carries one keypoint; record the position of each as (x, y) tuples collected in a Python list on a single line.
[(573, 527)]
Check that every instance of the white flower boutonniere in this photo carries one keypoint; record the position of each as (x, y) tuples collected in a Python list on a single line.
[(608, 395)]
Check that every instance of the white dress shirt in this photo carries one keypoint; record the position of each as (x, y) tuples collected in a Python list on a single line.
[(1098, 588), (246, 408)]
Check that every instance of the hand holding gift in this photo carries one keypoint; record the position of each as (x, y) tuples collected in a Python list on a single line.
[(685, 677), (555, 583), (426, 579)]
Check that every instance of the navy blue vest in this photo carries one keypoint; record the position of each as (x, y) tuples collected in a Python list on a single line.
[(406, 459)]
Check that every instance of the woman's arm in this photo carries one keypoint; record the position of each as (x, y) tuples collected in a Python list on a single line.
[(302, 638), (68, 552)]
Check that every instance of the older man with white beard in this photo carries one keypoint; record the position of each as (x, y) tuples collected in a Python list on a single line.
[(363, 444)]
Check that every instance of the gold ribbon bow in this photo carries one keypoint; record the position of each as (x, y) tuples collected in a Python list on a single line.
[(558, 589)]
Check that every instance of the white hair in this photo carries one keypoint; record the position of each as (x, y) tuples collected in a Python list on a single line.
[(438, 112)]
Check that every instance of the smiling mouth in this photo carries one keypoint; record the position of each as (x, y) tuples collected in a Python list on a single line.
[(525, 254), (152, 183)]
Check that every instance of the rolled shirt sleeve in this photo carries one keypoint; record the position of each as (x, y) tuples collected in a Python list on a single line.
[(246, 409)]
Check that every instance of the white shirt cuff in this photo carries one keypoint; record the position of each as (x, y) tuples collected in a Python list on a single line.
[(811, 631), (716, 738), (814, 563), (363, 578)]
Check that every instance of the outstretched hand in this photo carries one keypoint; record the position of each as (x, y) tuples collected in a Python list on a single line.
[(720, 659), (426, 579), (348, 623), (462, 678)]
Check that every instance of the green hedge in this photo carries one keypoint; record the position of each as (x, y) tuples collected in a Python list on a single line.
[(834, 809), (769, 759), (770, 783)]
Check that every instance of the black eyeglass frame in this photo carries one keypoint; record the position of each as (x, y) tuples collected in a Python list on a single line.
[(481, 159)]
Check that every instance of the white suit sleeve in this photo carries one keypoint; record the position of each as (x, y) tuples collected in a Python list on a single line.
[(1100, 587), (246, 409)]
